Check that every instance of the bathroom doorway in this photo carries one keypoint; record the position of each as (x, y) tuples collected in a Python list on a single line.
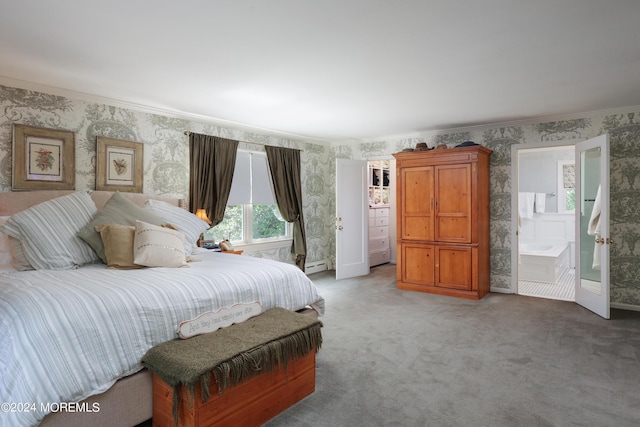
[(545, 228)]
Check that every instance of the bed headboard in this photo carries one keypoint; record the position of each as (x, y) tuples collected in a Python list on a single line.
[(16, 201)]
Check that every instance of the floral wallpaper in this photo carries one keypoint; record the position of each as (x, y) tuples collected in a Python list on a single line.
[(166, 153), (166, 168), (624, 133)]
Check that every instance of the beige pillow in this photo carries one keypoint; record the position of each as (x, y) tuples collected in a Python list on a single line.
[(118, 245), (156, 246), (118, 210), (5, 252), (18, 258)]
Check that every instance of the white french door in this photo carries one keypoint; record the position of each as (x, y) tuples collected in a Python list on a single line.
[(592, 225), (352, 219)]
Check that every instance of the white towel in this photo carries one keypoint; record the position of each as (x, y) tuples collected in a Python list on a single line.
[(541, 199), (525, 204), (593, 229)]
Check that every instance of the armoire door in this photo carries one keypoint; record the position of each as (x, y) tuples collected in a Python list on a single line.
[(417, 201), (454, 267), (418, 264), (453, 203)]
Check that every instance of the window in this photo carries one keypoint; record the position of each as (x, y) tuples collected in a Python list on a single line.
[(566, 186), (252, 215)]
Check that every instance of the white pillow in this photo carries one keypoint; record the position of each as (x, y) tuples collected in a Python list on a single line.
[(156, 246), (183, 220), (48, 231)]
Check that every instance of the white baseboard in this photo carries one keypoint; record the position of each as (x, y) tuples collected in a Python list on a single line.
[(500, 290), (315, 267), (613, 304), (625, 306)]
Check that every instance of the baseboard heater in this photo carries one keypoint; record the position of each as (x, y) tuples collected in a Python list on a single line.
[(315, 267)]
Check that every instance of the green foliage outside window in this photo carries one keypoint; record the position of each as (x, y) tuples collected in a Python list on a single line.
[(267, 223), (571, 199), (230, 227)]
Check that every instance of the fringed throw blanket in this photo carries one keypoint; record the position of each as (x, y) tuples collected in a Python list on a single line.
[(235, 353)]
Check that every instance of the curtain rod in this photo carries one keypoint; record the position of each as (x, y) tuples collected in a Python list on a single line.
[(188, 132)]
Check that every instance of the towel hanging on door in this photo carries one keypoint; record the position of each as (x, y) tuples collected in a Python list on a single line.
[(593, 229)]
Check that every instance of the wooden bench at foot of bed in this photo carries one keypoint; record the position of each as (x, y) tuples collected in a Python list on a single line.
[(250, 372), (250, 403)]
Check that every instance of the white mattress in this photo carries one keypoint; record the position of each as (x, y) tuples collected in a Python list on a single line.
[(66, 335)]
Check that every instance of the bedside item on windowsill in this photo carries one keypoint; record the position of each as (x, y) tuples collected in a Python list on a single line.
[(441, 146), (209, 244), (406, 150), (226, 246)]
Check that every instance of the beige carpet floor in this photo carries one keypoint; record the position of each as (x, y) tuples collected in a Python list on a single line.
[(401, 358)]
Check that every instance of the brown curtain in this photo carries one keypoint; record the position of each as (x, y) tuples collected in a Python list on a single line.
[(212, 162), (284, 164)]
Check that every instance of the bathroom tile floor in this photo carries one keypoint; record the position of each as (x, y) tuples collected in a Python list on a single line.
[(563, 289)]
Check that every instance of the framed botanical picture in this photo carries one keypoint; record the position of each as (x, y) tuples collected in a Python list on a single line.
[(43, 159), (118, 165)]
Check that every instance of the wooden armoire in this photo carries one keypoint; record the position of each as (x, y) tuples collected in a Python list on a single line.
[(443, 221)]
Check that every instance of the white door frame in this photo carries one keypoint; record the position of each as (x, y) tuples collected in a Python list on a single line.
[(598, 303), (515, 152), (392, 204)]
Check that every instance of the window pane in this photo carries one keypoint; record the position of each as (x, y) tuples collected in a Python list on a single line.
[(230, 227), (267, 222), (571, 199), (241, 183), (262, 190)]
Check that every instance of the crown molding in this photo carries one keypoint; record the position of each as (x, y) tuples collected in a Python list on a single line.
[(87, 97), (82, 96), (512, 123)]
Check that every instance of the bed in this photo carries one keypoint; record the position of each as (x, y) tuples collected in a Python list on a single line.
[(78, 334)]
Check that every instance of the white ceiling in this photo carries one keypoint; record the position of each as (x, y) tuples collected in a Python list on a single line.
[(333, 70)]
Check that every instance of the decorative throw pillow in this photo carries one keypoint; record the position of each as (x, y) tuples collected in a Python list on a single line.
[(118, 210), (183, 220), (48, 232), (118, 245), (155, 246), (19, 260)]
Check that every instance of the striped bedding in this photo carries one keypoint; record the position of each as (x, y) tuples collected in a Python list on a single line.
[(66, 335)]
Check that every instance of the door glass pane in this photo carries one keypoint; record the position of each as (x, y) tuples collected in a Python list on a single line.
[(589, 248)]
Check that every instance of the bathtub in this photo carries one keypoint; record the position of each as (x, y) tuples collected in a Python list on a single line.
[(541, 262)]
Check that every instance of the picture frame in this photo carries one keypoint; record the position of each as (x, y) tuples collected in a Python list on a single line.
[(119, 165), (43, 159)]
